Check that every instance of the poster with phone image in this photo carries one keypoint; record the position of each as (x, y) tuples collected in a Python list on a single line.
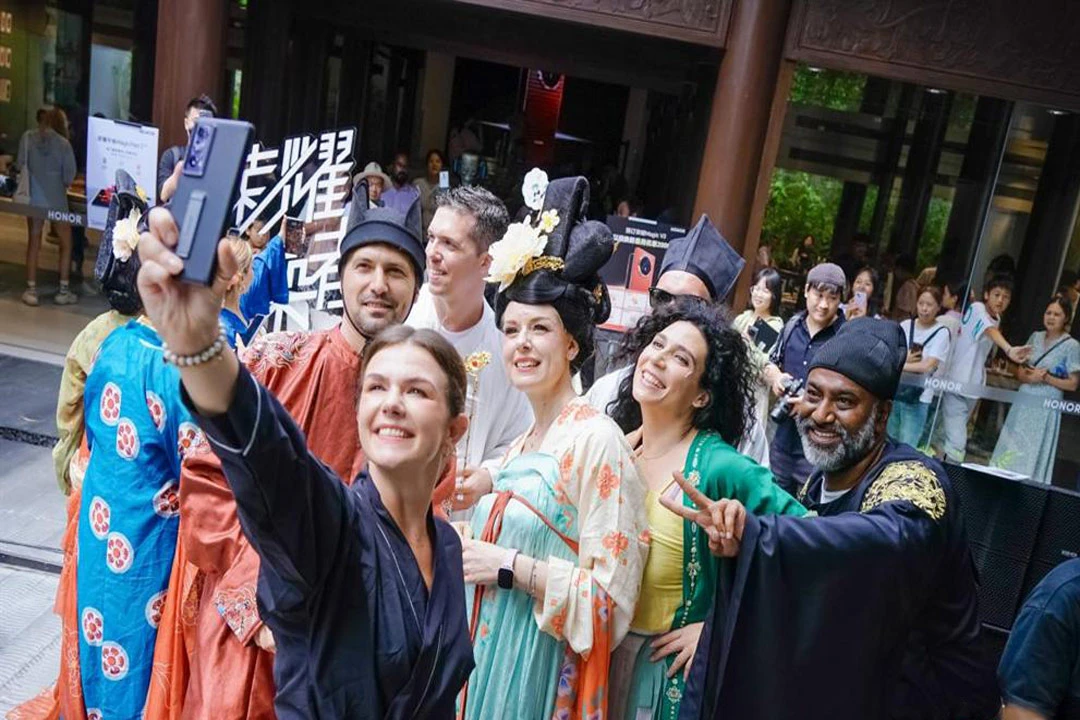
[(112, 145), (634, 267)]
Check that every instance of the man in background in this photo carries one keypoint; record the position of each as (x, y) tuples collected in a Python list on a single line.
[(169, 166), (401, 194)]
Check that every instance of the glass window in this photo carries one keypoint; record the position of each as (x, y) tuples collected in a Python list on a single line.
[(975, 196)]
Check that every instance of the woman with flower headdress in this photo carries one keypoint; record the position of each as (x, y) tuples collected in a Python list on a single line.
[(554, 554)]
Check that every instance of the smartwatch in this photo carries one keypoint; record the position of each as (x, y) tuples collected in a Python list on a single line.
[(506, 572)]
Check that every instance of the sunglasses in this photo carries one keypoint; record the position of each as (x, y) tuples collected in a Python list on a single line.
[(658, 297)]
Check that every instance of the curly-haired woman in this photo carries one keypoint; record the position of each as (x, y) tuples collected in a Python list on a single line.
[(685, 406)]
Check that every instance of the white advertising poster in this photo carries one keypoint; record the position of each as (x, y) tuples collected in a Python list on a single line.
[(114, 145)]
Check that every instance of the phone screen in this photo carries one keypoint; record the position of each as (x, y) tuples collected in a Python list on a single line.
[(860, 299), (294, 237), (444, 179)]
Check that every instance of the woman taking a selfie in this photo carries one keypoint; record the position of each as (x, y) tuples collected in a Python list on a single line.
[(864, 299), (928, 342), (360, 586), (555, 566), (686, 407)]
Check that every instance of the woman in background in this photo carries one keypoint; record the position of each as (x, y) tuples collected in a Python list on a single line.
[(1028, 441), (48, 158), (429, 185), (238, 330), (764, 310), (686, 406), (928, 351), (864, 295)]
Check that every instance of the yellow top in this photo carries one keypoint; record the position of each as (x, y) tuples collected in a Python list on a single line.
[(662, 583)]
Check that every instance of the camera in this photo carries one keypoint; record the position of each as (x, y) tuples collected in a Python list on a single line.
[(199, 151), (782, 409)]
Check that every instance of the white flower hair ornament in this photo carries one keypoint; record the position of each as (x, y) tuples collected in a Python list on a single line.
[(533, 189), (521, 250), (126, 236)]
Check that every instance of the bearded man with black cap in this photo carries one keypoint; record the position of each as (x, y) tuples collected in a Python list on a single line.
[(315, 376), (868, 610)]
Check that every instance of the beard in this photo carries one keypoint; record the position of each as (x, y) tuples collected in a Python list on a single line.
[(369, 326), (853, 445)]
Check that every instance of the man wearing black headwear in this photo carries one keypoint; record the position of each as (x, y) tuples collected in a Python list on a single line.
[(868, 610)]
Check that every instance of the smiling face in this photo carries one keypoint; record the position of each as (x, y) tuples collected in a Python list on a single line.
[(403, 415), (1054, 318), (668, 371), (378, 286), (455, 264), (761, 297), (537, 349), (863, 283), (838, 420), (822, 305)]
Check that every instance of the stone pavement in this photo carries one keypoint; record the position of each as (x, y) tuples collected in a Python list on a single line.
[(32, 516)]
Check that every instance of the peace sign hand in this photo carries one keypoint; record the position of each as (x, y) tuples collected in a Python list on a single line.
[(722, 520)]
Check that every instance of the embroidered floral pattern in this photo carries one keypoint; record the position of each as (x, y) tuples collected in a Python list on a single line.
[(616, 543), (237, 608), (607, 481)]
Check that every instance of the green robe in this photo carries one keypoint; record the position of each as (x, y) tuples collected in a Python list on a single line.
[(719, 471)]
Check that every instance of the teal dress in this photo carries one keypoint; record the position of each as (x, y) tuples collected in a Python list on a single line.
[(578, 505), (1028, 441)]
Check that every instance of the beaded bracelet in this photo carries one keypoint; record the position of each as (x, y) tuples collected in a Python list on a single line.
[(198, 358)]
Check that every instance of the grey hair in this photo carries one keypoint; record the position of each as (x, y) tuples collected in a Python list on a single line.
[(487, 210), (853, 445)]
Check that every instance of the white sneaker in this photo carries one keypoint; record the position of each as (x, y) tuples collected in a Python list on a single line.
[(30, 297), (66, 297)]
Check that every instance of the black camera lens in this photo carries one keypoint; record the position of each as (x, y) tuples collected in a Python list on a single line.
[(645, 266)]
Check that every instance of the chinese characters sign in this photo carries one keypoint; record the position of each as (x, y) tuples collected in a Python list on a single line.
[(305, 179)]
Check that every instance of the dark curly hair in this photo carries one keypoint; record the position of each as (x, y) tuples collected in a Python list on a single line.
[(727, 377)]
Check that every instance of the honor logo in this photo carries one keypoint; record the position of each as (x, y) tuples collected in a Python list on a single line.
[(65, 217)]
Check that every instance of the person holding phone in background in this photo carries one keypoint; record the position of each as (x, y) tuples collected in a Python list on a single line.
[(864, 299), (430, 183), (171, 163), (928, 351), (1028, 441)]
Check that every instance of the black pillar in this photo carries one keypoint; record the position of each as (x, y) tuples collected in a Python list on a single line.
[(266, 45), (853, 195), (974, 187), (1049, 229), (889, 161), (920, 172), (143, 50)]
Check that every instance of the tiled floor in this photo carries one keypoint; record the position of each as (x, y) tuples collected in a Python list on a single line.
[(32, 517)]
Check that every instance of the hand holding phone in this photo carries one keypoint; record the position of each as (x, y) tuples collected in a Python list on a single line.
[(206, 191)]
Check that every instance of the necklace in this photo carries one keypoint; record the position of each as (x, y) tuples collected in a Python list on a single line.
[(677, 443)]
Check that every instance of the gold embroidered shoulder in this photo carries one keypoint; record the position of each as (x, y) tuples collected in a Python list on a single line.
[(911, 481)]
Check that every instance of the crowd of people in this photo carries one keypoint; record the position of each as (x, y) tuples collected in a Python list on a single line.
[(419, 514)]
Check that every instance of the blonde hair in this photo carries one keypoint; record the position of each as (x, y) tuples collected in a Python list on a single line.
[(241, 250)]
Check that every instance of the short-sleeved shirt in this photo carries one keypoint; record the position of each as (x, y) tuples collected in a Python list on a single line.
[(973, 345), (937, 347), (1040, 669), (793, 354)]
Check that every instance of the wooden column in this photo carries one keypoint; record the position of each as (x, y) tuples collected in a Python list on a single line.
[(189, 61), (739, 122)]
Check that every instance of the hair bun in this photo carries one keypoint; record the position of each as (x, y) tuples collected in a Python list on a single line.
[(591, 246)]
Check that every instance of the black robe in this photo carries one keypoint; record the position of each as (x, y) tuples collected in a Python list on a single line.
[(358, 634), (867, 611)]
